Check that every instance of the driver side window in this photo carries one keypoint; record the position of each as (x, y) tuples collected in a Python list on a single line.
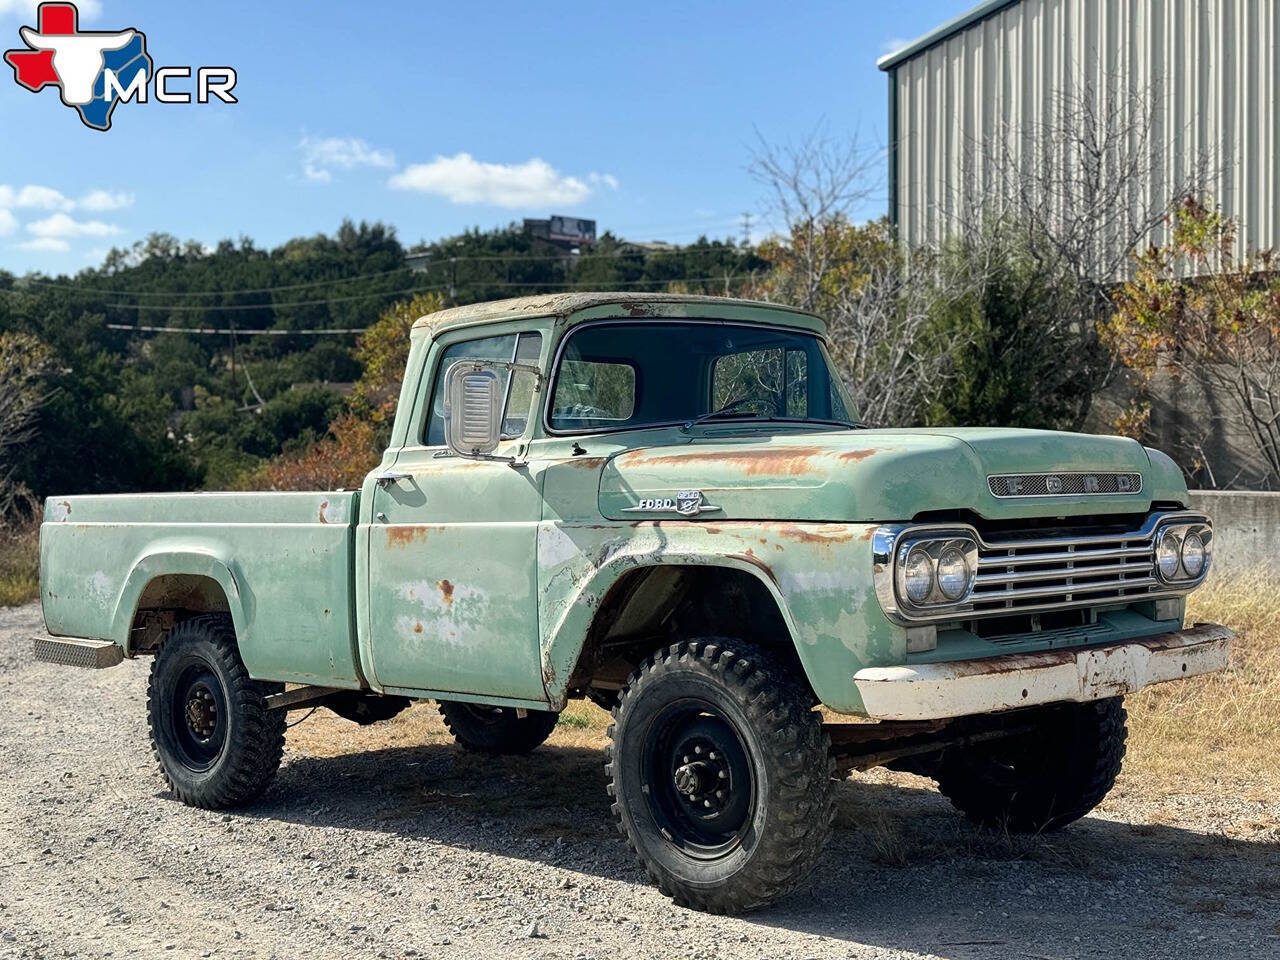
[(522, 348)]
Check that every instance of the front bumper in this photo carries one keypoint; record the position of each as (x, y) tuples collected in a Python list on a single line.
[(958, 688)]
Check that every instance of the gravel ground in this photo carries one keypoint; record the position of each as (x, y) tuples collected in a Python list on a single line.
[(388, 842)]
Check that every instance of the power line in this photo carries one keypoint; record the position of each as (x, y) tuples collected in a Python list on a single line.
[(442, 261), (234, 331), (503, 284)]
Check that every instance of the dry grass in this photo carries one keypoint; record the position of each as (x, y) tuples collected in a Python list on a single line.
[(1224, 728), (19, 562)]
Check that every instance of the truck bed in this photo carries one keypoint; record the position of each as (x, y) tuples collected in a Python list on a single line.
[(282, 562)]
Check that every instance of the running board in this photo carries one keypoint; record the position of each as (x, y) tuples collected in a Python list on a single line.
[(76, 652)]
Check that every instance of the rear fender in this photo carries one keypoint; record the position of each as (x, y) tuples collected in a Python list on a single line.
[(188, 562)]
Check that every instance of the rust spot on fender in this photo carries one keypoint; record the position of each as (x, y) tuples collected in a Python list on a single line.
[(853, 456), (586, 463), (417, 628), (324, 505), (713, 530), (824, 534), (446, 592), (755, 562)]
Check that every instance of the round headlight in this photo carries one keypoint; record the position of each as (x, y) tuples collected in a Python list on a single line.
[(1167, 556), (1193, 555), (953, 573), (917, 575)]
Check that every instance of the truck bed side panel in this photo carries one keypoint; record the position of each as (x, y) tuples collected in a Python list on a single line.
[(282, 560)]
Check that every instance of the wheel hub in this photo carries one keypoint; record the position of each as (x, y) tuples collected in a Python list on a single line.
[(201, 712)]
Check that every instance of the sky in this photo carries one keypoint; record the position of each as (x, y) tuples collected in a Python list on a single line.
[(434, 118)]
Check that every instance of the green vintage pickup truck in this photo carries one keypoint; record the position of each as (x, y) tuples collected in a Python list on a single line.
[(664, 504)]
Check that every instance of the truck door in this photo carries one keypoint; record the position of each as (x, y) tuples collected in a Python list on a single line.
[(452, 574)]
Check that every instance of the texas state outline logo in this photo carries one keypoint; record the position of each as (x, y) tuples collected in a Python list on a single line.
[(77, 62), (96, 70)]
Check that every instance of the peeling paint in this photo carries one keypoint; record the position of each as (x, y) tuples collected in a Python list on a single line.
[(406, 535), (753, 463)]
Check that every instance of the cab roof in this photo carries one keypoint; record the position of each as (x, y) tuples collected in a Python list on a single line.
[(577, 307)]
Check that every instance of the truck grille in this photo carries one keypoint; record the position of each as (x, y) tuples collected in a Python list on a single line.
[(1038, 574), (1063, 484)]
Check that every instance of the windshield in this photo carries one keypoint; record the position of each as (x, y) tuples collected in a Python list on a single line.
[(626, 375)]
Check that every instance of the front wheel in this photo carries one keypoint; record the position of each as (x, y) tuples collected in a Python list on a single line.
[(215, 740), (496, 730), (720, 774), (1043, 779)]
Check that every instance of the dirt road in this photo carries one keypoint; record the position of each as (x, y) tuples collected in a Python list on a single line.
[(389, 842)]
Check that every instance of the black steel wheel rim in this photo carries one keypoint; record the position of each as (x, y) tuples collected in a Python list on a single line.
[(199, 716), (698, 779)]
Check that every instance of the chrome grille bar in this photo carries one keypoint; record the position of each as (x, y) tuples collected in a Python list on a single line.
[(1023, 576), (1063, 556)]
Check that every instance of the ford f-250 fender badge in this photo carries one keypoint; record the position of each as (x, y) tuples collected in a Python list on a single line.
[(687, 503)]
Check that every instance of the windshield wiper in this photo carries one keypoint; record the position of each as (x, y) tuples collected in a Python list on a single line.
[(727, 409)]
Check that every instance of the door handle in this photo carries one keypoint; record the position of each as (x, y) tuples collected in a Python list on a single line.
[(390, 477)]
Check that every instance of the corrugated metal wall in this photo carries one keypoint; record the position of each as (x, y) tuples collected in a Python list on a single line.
[(1210, 69)]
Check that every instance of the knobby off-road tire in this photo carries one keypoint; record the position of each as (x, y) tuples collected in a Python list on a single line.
[(496, 730), (215, 740), (721, 774), (366, 708), (1042, 780)]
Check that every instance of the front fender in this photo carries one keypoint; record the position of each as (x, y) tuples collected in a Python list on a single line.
[(188, 561), (819, 575)]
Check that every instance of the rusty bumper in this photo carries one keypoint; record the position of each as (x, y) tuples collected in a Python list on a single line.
[(932, 691)]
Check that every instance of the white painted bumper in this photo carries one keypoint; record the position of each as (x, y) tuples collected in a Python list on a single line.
[(934, 691)]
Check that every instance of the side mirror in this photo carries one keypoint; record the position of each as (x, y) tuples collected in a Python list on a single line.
[(474, 393)]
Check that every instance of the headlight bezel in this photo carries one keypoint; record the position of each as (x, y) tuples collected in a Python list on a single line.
[(1178, 532), (933, 545)]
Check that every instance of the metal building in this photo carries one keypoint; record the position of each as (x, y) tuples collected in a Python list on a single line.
[(984, 95)]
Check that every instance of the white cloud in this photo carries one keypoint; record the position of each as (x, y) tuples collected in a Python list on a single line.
[(8, 222), (101, 200), (534, 183), (322, 155), (26, 9), (893, 45), (32, 196), (60, 225), (46, 245)]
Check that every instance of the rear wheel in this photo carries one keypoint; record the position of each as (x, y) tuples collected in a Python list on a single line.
[(496, 729), (720, 774), (1041, 780), (215, 740)]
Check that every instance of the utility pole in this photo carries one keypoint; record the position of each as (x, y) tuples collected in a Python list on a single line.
[(746, 228)]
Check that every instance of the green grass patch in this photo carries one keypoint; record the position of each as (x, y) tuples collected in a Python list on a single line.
[(19, 564)]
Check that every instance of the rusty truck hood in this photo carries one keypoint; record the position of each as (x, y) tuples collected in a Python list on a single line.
[(877, 475)]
